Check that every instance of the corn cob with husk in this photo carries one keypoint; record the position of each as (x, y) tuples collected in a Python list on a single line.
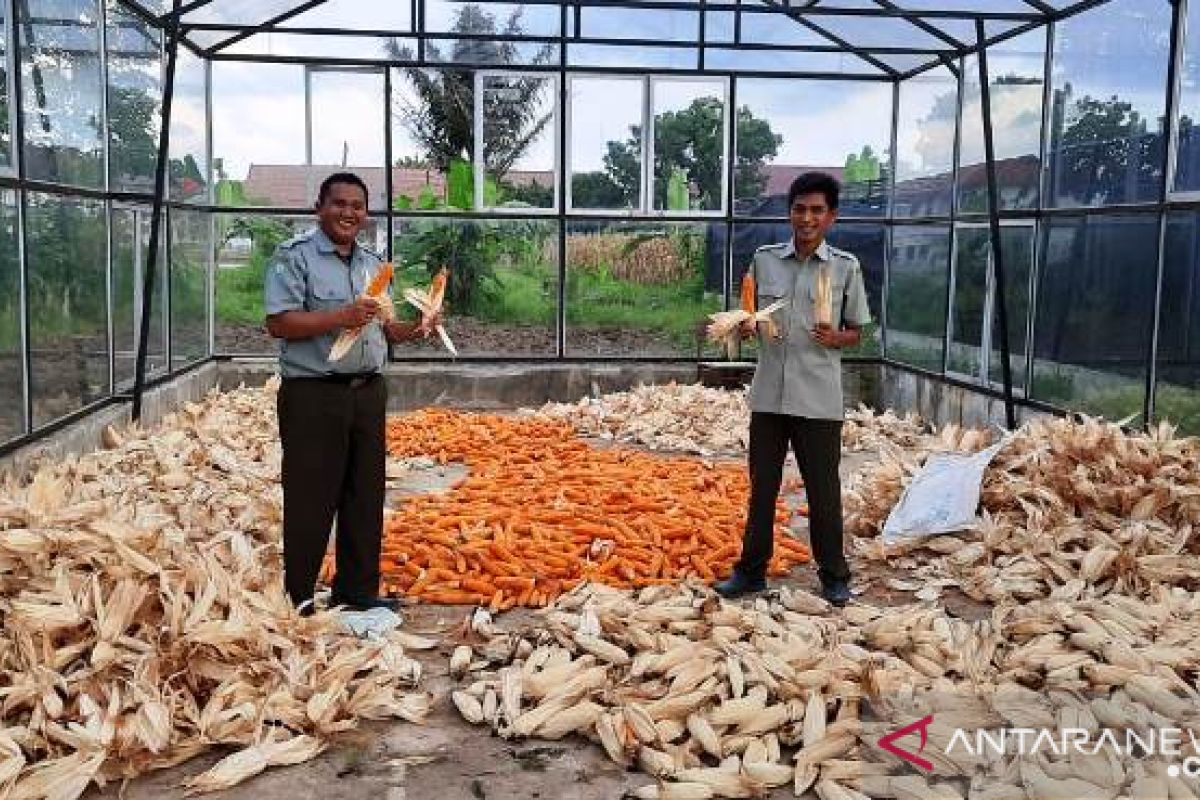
[(823, 297), (376, 290), (430, 302), (144, 620), (723, 325), (707, 720)]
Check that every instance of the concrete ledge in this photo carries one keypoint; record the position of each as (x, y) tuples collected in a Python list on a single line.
[(84, 435), (943, 403)]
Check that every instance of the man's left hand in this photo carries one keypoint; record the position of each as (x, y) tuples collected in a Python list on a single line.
[(827, 336), (427, 324)]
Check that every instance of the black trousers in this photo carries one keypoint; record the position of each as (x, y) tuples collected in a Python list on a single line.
[(817, 444), (333, 465)]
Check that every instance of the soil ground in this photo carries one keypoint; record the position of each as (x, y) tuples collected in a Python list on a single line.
[(447, 759)]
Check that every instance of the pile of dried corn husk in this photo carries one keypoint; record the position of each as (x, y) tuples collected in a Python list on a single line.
[(692, 418), (1066, 504), (145, 622), (720, 700)]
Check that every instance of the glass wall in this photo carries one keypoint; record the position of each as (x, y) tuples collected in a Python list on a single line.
[(1177, 393), (65, 242), (598, 182), (1106, 109), (12, 373)]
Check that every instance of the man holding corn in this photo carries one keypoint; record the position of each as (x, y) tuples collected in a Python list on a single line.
[(332, 412), (796, 396)]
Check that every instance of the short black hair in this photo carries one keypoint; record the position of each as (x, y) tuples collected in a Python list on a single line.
[(340, 177), (811, 182)]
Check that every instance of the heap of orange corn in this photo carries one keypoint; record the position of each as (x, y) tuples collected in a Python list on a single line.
[(543, 510)]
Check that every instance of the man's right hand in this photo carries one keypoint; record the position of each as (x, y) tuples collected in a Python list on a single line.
[(358, 313), (748, 328)]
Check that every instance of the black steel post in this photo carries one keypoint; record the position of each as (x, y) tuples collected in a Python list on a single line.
[(989, 150), (160, 190)]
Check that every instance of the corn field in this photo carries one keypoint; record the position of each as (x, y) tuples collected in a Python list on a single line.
[(645, 258)]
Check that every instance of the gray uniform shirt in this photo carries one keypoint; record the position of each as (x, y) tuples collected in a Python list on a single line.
[(307, 274), (795, 375)]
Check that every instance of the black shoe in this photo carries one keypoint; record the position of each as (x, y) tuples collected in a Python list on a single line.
[(365, 603), (836, 592), (737, 585)]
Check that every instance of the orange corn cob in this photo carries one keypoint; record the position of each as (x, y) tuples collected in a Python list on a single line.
[(379, 283), (437, 287), (749, 304)]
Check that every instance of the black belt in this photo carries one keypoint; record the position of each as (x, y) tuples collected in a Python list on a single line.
[(353, 380)]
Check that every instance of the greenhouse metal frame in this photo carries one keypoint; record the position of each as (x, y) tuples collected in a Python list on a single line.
[(897, 43)]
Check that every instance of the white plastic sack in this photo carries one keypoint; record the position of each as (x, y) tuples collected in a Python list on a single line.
[(942, 498), (371, 624)]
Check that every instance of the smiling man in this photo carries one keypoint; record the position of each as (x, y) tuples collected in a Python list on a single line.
[(796, 396), (331, 415)]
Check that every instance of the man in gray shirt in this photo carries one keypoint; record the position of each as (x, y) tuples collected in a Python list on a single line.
[(796, 396), (332, 415)]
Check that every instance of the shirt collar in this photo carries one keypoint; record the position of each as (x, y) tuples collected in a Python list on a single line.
[(822, 252), (326, 246)]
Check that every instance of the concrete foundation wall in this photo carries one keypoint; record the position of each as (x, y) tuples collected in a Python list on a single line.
[(942, 403), (84, 435), (507, 386)]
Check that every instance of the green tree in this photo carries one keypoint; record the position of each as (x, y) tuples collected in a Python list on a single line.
[(690, 140), (441, 120), (862, 167)]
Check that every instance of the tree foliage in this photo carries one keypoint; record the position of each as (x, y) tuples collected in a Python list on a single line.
[(441, 117)]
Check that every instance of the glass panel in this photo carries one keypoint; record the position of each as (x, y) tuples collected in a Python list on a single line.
[(433, 137), (974, 302), (347, 129), (719, 27), (134, 100), (642, 289), (309, 45), (1187, 171), (788, 127), (735, 60), (1016, 244), (189, 131), (1177, 394), (12, 378), (503, 291), (925, 144), (689, 145), (258, 135), (657, 24), (1095, 271), (350, 14), (972, 263), (491, 53), (6, 161), (606, 142), (191, 235), (864, 32), (916, 310), (245, 244), (775, 28), (519, 141), (68, 319), (61, 102), (866, 241), (998, 6), (1106, 137), (1015, 71), (238, 12), (130, 250), (456, 16), (615, 55)]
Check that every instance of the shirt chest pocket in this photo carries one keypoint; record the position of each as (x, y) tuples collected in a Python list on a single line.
[(326, 292), (770, 293)]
